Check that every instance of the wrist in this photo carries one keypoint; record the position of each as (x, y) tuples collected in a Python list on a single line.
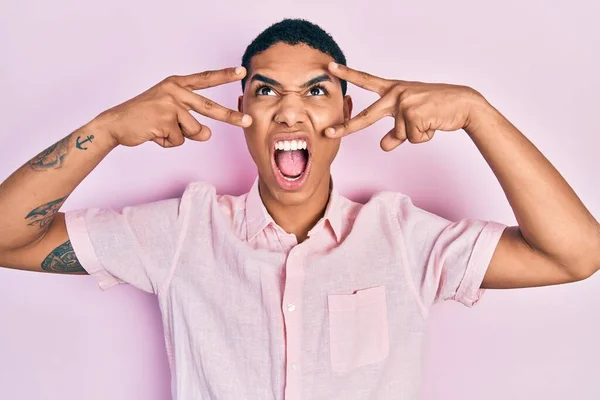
[(100, 128), (480, 113)]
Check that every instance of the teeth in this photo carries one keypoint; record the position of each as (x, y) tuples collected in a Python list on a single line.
[(288, 145), (291, 179)]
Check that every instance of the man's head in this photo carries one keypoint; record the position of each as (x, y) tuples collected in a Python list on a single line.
[(294, 32), (292, 99)]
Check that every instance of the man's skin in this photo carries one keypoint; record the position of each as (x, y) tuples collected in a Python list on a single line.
[(557, 239)]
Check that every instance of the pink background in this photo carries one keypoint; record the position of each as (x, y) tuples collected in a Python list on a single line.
[(65, 61)]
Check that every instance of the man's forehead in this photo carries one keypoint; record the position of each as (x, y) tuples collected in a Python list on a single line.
[(284, 52), (290, 62)]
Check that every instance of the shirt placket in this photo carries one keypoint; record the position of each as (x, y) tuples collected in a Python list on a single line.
[(292, 311)]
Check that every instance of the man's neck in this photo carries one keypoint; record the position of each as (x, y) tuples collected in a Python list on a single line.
[(297, 219)]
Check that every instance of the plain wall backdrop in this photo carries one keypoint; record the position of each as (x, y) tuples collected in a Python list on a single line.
[(64, 62)]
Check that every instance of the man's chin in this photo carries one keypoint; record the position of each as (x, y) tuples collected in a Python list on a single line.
[(285, 196)]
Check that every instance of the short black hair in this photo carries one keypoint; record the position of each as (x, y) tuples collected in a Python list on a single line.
[(293, 32)]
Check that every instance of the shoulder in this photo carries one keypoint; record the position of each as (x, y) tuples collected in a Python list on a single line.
[(203, 195), (398, 208), (199, 189), (388, 202), (380, 209)]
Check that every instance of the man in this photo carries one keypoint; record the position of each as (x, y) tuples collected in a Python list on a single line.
[(291, 290)]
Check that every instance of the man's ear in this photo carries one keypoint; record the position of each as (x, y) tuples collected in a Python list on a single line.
[(347, 108), (241, 104)]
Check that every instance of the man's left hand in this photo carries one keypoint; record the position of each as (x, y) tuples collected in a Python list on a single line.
[(419, 109)]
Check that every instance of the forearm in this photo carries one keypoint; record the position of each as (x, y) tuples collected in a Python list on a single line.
[(551, 217), (33, 194)]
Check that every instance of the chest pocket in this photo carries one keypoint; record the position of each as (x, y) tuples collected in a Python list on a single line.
[(358, 328)]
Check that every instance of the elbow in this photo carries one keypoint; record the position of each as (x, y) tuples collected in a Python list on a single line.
[(584, 270), (589, 262), (594, 268), (583, 273), (594, 265)]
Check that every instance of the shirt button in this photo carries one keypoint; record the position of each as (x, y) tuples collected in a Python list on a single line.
[(294, 366), (291, 307)]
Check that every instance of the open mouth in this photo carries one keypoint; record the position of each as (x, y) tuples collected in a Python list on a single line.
[(292, 160)]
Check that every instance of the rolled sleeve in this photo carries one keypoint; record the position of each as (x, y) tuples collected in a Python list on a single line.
[(469, 291), (82, 245), (134, 246), (447, 260)]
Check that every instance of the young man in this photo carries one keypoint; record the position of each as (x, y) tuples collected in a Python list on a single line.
[(291, 290)]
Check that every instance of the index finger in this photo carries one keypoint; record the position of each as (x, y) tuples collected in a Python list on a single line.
[(359, 78), (211, 109), (365, 118), (206, 79)]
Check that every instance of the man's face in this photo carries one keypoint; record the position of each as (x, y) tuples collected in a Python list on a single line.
[(292, 99)]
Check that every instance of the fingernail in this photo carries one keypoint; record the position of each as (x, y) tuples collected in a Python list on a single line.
[(335, 65), (239, 70), (246, 119), (330, 132)]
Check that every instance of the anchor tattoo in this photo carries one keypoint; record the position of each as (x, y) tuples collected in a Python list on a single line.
[(79, 144)]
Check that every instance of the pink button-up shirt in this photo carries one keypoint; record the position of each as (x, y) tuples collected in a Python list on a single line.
[(249, 313)]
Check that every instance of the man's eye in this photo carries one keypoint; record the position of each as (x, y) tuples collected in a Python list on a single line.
[(265, 91), (318, 91)]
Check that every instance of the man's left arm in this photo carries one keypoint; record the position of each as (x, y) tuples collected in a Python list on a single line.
[(557, 240)]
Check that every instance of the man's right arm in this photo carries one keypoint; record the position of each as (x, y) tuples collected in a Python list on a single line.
[(33, 235)]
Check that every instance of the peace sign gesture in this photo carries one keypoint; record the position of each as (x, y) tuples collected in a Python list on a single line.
[(162, 113), (419, 109)]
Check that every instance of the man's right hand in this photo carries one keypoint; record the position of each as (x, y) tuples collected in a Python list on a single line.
[(161, 114)]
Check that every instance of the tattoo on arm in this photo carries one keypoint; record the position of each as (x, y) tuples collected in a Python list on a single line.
[(53, 157), (79, 143), (63, 260), (44, 214)]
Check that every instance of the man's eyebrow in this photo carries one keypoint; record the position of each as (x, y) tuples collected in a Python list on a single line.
[(273, 82), (318, 79), (262, 78)]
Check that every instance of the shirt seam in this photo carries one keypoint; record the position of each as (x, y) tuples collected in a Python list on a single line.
[(138, 249), (405, 266), (164, 286)]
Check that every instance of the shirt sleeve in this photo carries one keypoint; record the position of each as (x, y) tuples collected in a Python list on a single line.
[(447, 260), (135, 245)]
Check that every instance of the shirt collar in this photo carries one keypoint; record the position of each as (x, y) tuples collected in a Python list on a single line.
[(258, 218)]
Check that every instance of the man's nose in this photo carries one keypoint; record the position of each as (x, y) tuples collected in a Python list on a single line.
[(291, 110)]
